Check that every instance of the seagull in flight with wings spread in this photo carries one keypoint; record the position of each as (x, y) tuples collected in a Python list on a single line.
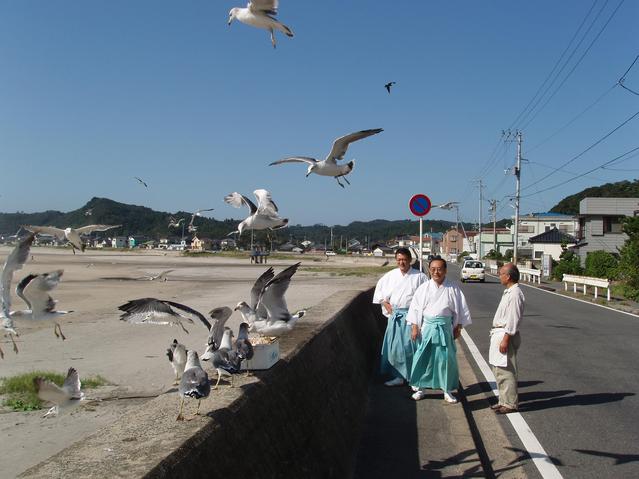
[(259, 13), (263, 216), (329, 166), (72, 235)]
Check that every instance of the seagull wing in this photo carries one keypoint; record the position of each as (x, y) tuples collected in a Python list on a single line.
[(237, 200), (48, 230), (72, 384), (341, 144), (265, 204), (189, 313), (91, 228), (14, 262), (220, 316), (49, 391), (148, 310), (263, 6), (36, 292), (257, 288), (295, 159), (272, 296), (162, 275), (198, 212)]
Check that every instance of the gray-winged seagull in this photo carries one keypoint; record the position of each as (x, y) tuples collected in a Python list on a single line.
[(258, 13), (263, 216), (329, 166), (72, 235), (158, 311), (194, 383), (63, 398)]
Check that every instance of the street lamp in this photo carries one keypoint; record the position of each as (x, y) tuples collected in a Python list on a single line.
[(454, 205)]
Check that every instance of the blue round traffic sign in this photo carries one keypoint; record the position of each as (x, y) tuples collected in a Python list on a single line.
[(420, 205)]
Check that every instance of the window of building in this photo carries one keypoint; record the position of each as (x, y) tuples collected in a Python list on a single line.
[(612, 224)]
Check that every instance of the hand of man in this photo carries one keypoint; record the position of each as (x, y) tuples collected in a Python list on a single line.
[(457, 331), (414, 334), (503, 346), (388, 307)]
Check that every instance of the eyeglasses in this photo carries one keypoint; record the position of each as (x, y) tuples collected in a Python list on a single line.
[(437, 270)]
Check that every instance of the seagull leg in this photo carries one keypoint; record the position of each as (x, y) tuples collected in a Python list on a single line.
[(1, 354), (219, 375), (232, 378), (57, 328), (346, 180), (180, 415), (197, 411), (183, 328), (272, 37), (15, 346), (338, 182)]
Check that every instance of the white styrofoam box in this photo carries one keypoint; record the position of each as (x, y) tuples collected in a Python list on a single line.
[(264, 356)]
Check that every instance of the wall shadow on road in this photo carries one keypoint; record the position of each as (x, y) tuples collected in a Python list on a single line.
[(619, 458), (432, 469), (576, 400), (484, 387), (523, 455)]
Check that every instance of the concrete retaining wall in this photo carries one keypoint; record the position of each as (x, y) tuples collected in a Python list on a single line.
[(301, 418)]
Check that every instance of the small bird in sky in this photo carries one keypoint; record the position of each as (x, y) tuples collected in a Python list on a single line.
[(259, 13), (142, 182), (389, 85), (192, 228), (329, 166)]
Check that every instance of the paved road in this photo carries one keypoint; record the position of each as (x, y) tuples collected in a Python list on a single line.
[(579, 385)]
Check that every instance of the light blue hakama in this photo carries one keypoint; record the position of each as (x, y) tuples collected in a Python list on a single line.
[(397, 348), (435, 361)]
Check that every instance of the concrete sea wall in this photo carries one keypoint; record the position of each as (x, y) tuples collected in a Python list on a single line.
[(301, 418)]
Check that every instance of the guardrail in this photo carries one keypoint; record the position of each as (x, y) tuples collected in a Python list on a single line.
[(586, 281), (530, 275)]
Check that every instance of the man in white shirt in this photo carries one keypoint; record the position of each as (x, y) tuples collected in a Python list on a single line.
[(437, 314), (505, 339), (394, 291)]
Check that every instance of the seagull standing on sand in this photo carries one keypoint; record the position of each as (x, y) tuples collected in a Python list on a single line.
[(63, 398), (194, 383), (158, 311), (243, 345), (277, 320), (163, 276), (388, 86), (263, 216), (72, 235), (259, 13), (34, 290), (225, 360), (13, 263), (329, 166), (177, 357)]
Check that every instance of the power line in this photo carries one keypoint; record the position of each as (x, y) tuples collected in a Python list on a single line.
[(587, 172), (623, 77), (584, 151)]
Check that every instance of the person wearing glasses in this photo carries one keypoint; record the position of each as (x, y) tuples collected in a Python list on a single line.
[(437, 314), (505, 339), (394, 291)]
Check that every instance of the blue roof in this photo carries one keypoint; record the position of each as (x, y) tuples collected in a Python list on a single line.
[(548, 213)]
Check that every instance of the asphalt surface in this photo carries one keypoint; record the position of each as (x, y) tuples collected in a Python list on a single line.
[(578, 378)]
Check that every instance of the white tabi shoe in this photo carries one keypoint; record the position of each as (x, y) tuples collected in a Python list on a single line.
[(394, 382), (448, 397), (415, 388), (419, 395)]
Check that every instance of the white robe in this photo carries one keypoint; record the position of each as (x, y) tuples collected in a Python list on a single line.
[(398, 288), (433, 300)]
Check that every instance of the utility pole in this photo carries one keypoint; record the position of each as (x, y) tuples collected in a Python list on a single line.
[(517, 196), (493, 212), (481, 200)]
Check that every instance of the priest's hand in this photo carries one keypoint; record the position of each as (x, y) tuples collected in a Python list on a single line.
[(457, 331), (387, 307), (414, 333), (503, 346)]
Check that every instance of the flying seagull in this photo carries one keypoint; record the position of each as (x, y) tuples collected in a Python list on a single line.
[(34, 290), (173, 223), (389, 85), (194, 383), (191, 228), (72, 235), (158, 311), (88, 212), (177, 357), (163, 276), (259, 13), (219, 316), (263, 216), (13, 263), (63, 398), (329, 166), (276, 320), (141, 181)]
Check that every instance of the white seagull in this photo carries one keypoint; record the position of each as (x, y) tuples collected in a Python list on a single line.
[(34, 290), (258, 13), (263, 216), (177, 357), (72, 235), (277, 320), (13, 263), (163, 276), (191, 228), (329, 166), (158, 311), (63, 398)]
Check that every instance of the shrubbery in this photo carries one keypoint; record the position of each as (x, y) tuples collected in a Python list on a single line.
[(601, 264)]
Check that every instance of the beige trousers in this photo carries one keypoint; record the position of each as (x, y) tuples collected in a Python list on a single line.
[(507, 377)]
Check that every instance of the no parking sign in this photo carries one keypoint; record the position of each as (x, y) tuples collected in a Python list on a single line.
[(420, 205)]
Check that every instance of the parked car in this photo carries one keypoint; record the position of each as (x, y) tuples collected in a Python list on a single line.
[(330, 253), (473, 270)]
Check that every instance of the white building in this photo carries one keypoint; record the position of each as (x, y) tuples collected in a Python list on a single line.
[(534, 224)]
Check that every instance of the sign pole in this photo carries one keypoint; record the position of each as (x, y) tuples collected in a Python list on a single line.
[(421, 244)]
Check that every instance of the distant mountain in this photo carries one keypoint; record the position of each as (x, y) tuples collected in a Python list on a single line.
[(622, 189), (140, 220)]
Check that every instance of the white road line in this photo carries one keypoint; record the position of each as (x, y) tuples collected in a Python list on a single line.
[(574, 299), (544, 464)]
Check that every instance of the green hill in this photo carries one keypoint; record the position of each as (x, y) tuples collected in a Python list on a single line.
[(622, 189)]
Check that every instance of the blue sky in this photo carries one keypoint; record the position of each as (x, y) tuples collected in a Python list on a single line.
[(94, 93)]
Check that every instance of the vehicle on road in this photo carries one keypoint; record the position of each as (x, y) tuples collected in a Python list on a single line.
[(472, 270), (330, 253)]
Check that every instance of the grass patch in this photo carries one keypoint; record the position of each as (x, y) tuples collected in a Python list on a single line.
[(21, 393), (360, 272)]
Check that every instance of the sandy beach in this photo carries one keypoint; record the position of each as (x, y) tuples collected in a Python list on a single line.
[(131, 357)]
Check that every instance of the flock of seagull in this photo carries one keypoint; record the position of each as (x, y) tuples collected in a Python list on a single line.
[(265, 313)]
